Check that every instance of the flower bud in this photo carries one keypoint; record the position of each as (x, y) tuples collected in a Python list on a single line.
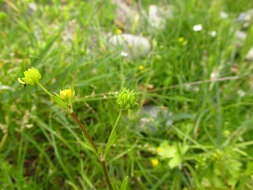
[(154, 162), (31, 77), (126, 99), (67, 94)]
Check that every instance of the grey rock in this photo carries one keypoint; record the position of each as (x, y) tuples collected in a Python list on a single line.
[(157, 16), (224, 15), (126, 15), (153, 119), (240, 35), (240, 38), (131, 45), (246, 18)]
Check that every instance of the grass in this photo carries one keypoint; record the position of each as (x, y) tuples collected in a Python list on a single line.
[(209, 145)]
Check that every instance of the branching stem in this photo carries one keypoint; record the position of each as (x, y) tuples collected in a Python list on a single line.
[(101, 159)]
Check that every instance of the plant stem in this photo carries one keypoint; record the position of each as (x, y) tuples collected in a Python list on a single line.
[(85, 132), (101, 160), (44, 89), (112, 135), (105, 170)]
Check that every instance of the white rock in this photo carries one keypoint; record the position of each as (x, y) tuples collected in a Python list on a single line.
[(131, 45), (69, 32), (153, 17), (126, 15), (152, 118), (241, 93), (246, 18), (124, 54), (240, 35), (240, 38), (223, 15), (157, 16), (157, 119), (32, 6), (249, 56)]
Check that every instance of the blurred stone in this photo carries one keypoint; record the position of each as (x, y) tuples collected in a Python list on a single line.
[(132, 45), (241, 93), (156, 119), (32, 6), (69, 32), (223, 15), (246, 18), (157, 16), (126, 15), (240, 35), (240, 38), (249, 56), (151, 117)]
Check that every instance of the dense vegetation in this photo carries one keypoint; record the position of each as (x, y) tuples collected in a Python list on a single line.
[(198, 82)]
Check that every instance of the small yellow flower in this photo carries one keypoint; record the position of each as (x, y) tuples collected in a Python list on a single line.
[(141, 67), (31, 77), (67, 94), (154, 162), (118, 31), (159, 150), (183, 41)]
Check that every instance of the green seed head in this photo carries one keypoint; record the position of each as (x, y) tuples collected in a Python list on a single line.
[(126, 99), (31, 77)]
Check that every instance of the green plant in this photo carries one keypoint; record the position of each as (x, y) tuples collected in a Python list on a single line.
[(126, 99)]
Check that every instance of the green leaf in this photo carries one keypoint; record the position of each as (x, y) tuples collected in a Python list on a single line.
[(124, 184), (113, 135), (175, 162), (167, 151)]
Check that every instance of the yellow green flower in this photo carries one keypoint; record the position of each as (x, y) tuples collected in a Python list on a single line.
[(183, 41), (154, 162), (141, 67), (118, 31), (67, 94), (159, 150), (31, 77)]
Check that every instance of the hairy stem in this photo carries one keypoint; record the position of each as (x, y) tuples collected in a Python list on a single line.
[(101, 160), (85, 132), (44, 89), (105, 170)]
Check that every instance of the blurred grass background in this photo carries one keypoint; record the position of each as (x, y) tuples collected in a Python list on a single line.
[(41, 148)]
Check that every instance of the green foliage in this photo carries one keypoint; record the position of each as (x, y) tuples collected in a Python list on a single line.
[(203, 80)]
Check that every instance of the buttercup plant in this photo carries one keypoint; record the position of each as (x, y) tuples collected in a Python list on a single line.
[(126, 99), (31, 77)]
